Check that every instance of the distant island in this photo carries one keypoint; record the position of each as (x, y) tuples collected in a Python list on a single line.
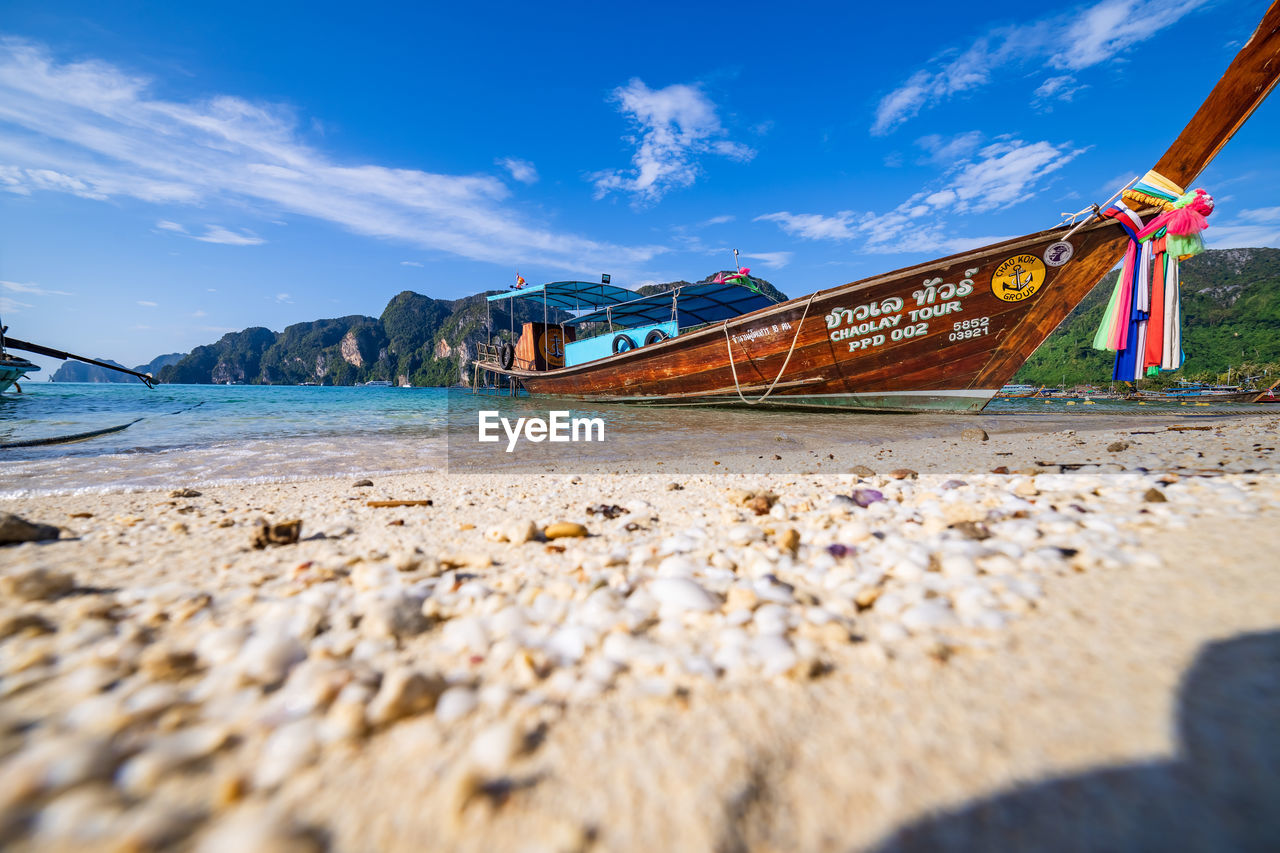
[(76, 371)]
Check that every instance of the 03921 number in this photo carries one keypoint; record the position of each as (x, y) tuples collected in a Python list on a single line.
[(965, 329)]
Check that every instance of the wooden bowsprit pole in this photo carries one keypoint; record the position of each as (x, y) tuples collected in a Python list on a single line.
[(14, 343)]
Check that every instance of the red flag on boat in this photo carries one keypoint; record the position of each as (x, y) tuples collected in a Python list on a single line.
[(520, 282)]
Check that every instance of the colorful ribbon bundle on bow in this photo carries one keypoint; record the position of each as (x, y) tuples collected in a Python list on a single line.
[(1143, 320)]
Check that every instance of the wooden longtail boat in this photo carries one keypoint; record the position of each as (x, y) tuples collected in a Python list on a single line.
[(942, 335)]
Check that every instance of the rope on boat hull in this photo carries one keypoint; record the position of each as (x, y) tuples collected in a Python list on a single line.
[(737, 386)]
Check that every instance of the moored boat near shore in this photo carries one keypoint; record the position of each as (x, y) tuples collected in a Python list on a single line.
[(942, 335), (12, 369), (1198, 392)]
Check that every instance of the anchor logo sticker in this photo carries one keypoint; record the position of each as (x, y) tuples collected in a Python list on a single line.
[(1018, 278), (552, 346)]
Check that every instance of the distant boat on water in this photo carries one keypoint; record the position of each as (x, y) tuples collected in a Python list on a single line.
[(945, 335), (1197, 392), (1017, 391), (378, 383)]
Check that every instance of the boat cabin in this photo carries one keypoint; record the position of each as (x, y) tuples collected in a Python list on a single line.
[(608, 320)]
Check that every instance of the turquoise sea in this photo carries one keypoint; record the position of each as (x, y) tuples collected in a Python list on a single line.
[(183, 434)]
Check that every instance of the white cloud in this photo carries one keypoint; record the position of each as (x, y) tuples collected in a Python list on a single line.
[(813, 226), (945, 151), (199, 312), (218, 234), (770, 260), (1061, 88), (521, 170), (1104, 30), (997, 176), (723, 219), (1005, 172), (214, 234), (1073, 41), (33, 289), (1256, 227), (94, 130), (146, 303), (11, 306), (284, 297), (675, 125), (410, 264)]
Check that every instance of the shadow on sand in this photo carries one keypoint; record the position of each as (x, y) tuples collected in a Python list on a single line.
[(1222, 792)]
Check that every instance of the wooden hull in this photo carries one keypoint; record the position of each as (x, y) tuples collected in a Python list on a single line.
[(946, 335)]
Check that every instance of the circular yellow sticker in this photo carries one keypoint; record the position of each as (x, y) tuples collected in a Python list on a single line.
[(1018, 278)]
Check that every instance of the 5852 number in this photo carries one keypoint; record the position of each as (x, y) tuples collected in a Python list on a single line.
[(965, 329)]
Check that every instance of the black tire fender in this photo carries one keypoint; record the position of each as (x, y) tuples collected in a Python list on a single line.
[(623, 343), (507, 356), (655, 336)]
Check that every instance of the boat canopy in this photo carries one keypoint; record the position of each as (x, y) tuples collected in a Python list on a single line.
[(571, 295), (691, 305)]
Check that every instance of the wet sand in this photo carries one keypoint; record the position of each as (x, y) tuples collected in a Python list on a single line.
[(753, 653)]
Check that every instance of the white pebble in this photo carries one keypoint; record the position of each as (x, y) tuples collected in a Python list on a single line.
[(455, 703), (681, 594)]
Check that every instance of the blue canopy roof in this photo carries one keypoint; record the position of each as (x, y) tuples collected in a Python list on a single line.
[(571, 295), (695, 304)]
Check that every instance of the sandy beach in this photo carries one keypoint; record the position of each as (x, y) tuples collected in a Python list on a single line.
[(877, 647)]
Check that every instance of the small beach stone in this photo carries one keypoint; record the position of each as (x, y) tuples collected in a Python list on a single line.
[(455, 703), (404, 692), (165, 663), (184, 493), (493, 750), (866, 497), (393, 613), (267, 657), (974, 434), (37, 584), (862, 471), (280, 533), (16, 529), (682, 594), (1117, 446), (362, 484), (258, 828), (1154, 496), (28, 624), (564, 530), (903, 474)]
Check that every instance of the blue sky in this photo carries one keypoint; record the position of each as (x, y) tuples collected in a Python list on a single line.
[(169, 171)]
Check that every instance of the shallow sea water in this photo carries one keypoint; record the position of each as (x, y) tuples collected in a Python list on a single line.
[(182, 434)]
